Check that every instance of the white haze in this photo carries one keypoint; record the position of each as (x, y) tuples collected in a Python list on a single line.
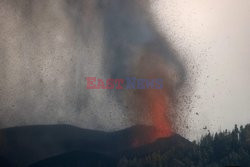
[(215, 35)]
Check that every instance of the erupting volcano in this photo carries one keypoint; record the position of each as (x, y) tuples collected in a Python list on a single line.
[(156, 105), (134, 47)]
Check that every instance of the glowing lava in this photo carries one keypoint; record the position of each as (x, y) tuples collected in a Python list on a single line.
[(158, 105), (155, 106)]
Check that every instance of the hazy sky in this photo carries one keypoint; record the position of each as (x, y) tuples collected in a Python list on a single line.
[(45, 57), (215, 36)]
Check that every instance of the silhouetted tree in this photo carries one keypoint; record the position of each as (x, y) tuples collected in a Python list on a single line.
[(221, 149)]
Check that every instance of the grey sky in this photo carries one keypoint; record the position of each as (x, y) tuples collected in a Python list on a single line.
[(46, 57), (215, 36)]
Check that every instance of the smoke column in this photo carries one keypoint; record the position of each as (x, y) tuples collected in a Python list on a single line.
[(135, 48)]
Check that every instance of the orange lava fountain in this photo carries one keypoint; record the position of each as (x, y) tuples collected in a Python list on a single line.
[(154, 105), (158, 105), (158, 108)]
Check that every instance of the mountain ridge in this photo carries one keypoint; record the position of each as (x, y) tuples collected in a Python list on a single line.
[(27, 145)]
